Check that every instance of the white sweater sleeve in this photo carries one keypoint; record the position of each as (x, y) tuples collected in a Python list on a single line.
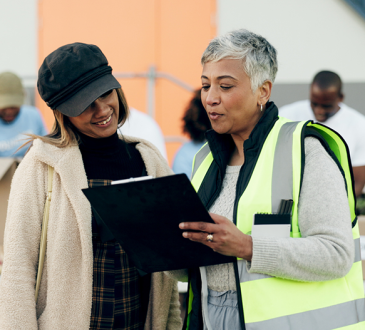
[(21, 246), (326, 249)]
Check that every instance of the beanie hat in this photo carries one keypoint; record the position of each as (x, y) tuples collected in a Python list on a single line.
[(74, 76), (11, 91)]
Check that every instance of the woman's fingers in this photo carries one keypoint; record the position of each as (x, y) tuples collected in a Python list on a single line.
[(227, 238), (205, 226), (200, 237), (198, 226)]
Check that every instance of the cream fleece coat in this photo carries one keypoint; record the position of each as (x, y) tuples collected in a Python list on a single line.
[(65, 296)]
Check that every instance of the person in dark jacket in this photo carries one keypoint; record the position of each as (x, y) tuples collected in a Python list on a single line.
[(281, 275)]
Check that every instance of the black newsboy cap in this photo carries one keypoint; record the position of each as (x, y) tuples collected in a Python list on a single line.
[(74, 76)]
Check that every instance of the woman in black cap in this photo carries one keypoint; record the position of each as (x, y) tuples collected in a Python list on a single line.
[(87, 280)]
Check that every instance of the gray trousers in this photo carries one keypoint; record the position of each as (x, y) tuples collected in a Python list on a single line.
[(222, 311)]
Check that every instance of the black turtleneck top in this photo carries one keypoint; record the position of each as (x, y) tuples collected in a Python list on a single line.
[(113, 159), (110, 158)]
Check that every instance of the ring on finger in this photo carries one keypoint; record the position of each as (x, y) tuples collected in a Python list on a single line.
[(210, 238)]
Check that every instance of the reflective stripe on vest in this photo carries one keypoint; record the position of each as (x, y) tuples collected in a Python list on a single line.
[(199, 158), (275, 303)]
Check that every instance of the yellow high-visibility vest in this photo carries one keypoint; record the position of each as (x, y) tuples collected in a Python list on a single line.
[(271, 303)]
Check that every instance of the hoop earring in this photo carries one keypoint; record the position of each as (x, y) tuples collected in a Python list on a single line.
[(261, 107)]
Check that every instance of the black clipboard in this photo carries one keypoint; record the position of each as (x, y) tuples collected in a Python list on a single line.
[(144, 218)]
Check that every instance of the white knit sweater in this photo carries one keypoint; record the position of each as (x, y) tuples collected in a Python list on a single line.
[(221, 277)]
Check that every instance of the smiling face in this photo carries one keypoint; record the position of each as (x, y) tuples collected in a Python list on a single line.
[(100, 119), (325, 102), (228, 99)]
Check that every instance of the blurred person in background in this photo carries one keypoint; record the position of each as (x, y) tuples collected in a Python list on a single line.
[(88, 281), (325, 105), (196, 123), (145, 127), (306, 278), (16, 119)]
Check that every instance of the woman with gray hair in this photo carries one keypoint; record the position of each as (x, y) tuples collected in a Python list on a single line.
[(280, 194)]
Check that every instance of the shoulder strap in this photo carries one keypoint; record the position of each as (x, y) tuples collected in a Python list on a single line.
[(340, 149), (43, 244), (312, 132)]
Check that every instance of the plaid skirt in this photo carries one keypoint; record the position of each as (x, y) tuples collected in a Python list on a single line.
[(116, 284)]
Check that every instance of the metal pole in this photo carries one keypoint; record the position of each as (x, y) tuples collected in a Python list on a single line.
[(176, 81), (151, 84)]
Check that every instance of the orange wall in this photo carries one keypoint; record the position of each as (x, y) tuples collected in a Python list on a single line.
[(133, 35)]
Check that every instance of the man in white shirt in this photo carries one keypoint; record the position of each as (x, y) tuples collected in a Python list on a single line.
[(143, 126), (325, 106)]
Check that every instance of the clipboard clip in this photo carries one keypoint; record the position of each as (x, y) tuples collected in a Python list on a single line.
[(141, 178)]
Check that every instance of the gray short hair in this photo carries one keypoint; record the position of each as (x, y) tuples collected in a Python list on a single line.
[(257, 54)]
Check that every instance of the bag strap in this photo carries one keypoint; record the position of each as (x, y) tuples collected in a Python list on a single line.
[(43, 244)]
